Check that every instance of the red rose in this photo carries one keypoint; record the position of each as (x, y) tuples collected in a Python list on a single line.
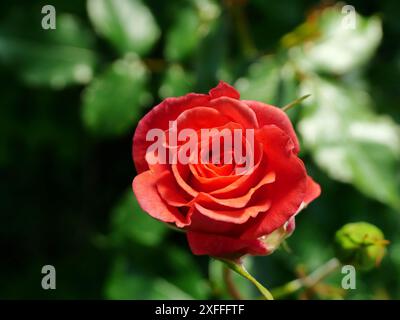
[(226, 212)]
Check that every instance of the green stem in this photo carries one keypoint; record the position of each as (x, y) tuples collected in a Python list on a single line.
[(240, 269), (293, 103), (307, 282), (230, 285)]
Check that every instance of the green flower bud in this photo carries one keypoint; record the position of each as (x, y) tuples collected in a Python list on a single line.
[(360, 244)]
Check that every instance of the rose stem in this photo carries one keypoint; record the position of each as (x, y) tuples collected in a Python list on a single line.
[(240, 269), (230, 285), (309, 281)]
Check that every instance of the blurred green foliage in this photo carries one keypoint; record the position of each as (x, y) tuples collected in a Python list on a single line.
[(71, 98)]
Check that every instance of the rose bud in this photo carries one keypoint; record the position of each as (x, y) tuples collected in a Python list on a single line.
[(222, 169), (360, 244)]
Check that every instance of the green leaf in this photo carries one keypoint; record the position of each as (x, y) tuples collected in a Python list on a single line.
[(129, 282), (333, 47), (55, 58), (127, 24), (130, 222), (112, 103), (349, 141), (176, 82), (261, 82)]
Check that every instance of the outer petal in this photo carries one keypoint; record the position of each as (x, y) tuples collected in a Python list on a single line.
[(203, 224), (159, 117), (224, 90), (289, 189), (171, 192), (236, 110), (222, 246), (313, 191), (144, 187), (270, 115)]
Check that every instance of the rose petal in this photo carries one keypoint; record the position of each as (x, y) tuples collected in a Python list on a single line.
[(238, 202), (270, 115), (171, 192), (200, 118), (204, 184), (235, 110), (204, 224), (224, 90), (181, 174), (203, 179), (144, 187), (221, 170), (223, 246), (246, 181), (259, 203), (159, 117), (313, 190), (288, 191)]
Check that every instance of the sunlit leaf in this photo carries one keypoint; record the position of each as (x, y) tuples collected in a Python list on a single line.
[(349, 141), (331, 45), (128, 24), (112, 103)]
